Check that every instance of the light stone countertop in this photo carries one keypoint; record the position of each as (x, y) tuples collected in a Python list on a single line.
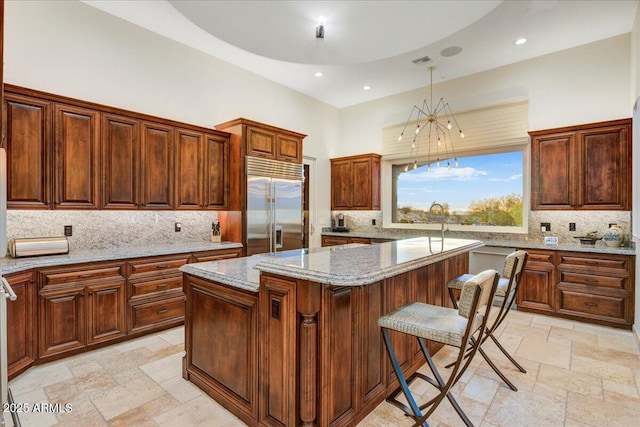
[(241, 272), (365, 264), (13, 265), (599, 247)]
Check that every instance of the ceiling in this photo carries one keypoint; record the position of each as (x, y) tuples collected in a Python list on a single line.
[(374, 43)]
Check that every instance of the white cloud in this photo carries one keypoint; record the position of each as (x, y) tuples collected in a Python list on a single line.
[(511, 178), (442, 173)]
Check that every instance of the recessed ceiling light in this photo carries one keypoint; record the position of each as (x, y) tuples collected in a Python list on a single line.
[(319, 74), (520, 41), (366, 87)]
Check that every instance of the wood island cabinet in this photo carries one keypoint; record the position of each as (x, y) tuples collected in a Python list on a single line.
[(65, 153), (355, 182), (22, 347), (537, 290), (586, 167)]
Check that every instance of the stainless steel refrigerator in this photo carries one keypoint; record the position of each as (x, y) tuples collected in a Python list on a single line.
[(274, 206)]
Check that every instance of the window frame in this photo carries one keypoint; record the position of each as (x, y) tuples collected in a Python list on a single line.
[(386, 167)]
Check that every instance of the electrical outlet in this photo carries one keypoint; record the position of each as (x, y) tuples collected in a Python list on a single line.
[(545, 226), (68, 230), (178, 227), (373, 222), (572, 226)]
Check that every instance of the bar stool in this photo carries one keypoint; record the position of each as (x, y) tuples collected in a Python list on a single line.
[(508, 286), (462, 328)]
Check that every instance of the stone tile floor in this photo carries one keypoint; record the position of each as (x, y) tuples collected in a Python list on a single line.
[(578, 375)]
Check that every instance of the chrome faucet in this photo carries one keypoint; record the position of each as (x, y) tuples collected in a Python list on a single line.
[(441, 226), (441, 217)]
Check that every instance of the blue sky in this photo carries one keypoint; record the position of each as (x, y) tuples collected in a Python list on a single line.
[(475, 178)]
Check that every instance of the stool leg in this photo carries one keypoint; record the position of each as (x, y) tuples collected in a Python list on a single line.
[(454, 300), (417, 414), (504, 351)]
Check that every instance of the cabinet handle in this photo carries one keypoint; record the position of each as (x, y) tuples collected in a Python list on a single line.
[(591, 304), (163, 311), (591, 262), (163, 265), (591, 280), (84, 276), (162, 285)]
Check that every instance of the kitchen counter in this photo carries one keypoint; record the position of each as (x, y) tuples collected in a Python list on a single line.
[(523, 244), (13, 265), (305, 322)]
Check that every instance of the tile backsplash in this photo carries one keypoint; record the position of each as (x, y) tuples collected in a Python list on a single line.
[(110, 229), (586, 221)]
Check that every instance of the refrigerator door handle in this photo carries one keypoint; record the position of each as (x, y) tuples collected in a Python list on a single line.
[(278, 236)]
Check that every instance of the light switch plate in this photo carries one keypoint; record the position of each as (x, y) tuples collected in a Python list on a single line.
[(551, 240)]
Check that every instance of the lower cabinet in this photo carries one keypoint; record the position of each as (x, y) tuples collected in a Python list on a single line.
[(69, 309), (21, 325), (339, 240), (79, 307), (590, 287)]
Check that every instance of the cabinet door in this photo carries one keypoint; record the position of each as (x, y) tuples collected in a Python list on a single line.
[(334, 240), (21, 334), (216, 178), (553, 175), (28, 143), (538, 282), (361, 189), (261, 143), (606, 154), (156, 156), (289, 149), (106, 311), (341, 188), (75, 157), (62, 320), (120, 162), (189, 157)]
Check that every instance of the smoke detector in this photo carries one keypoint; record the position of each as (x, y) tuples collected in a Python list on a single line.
[(422, 61)]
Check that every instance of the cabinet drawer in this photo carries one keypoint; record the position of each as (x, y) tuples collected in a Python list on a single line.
[(157, 312), (150, 287), (157, 265), (53, 277), (593, 280), (215, 255), (619, 263), (595, 305)]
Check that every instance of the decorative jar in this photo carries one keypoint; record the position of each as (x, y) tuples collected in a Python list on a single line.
[(614, 236)]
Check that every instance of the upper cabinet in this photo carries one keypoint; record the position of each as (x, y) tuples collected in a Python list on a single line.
[(586, 167), (70, 154), (27, 124), (355, 182), (261, 140)]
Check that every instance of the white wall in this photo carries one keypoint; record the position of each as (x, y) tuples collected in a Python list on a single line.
[(69, 48), (635, 96), (585, 84)]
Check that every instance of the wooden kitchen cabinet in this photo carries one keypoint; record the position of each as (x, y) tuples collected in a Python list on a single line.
[(537, 287), (22, 346), (355, 182), (586, 167), (156, 298), (65, 153), (80, 306), (27, 123), (202, 174), (340, 240), (76, 145)]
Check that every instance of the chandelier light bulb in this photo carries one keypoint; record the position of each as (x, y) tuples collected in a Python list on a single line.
[(413, 144), (400, 137), (461, 134), (438, 163), (456, 161), (415, 164), (429, 167), (417, 129), (406, 168), (439, 142), (448, 166), (449, 124)]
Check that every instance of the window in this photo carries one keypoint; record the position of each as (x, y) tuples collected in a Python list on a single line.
[(486, 192)]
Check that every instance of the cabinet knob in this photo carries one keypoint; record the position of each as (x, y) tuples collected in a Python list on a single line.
[(162, 286), (590, 304), (163, 265), (164, 310), (84, 276)]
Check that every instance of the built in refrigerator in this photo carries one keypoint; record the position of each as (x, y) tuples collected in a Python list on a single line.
[(274, 206)]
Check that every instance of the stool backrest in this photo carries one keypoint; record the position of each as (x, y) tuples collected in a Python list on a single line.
[(513, 265), (485, 282)]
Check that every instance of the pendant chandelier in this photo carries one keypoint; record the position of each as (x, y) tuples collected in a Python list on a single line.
[(435, 121)]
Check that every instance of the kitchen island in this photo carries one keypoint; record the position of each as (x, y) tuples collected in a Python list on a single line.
[(292, 338)]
